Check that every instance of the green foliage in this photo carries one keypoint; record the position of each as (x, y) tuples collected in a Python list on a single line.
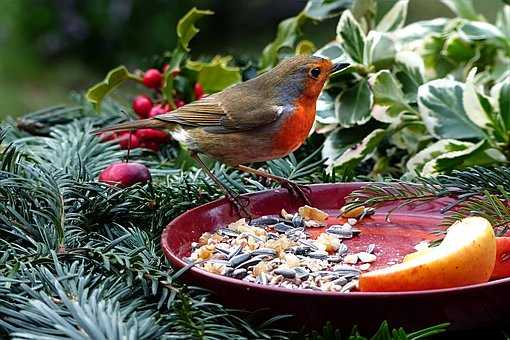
[(444, 75)]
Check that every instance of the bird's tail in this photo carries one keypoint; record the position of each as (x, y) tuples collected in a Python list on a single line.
[(136, 124)]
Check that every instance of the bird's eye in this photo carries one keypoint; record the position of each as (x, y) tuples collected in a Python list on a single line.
[(315, 72)]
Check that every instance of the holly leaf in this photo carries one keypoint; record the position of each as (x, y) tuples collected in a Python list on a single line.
[(355, 153), (321, 10), (114, 78), (351, 36), (440, 103), (395, 18), (216, 74), (186, 28), (287, 36), (389, 96), (463, 8), (379, 50), (352, 107)]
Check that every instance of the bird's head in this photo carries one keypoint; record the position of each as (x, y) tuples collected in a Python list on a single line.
[(302, 76)]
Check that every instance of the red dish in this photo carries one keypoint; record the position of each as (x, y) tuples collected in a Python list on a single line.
[(464, 307)]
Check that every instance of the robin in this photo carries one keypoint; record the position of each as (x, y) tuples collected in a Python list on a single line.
[(261, 119)]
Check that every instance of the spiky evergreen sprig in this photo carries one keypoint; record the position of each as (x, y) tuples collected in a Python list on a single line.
[(475, 191)]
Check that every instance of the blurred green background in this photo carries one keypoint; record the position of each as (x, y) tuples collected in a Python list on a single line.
[(51, 47)]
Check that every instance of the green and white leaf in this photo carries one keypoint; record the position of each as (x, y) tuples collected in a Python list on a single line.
[(500, 94), (305, 47), (479, 30), (458, 49), (417, 162), (186, 28), (352, 107), (351, 36), (440, 104), (325, 109), (216, 74), (395, 18), (412, 35), (365, 11), (321, 10), (503, 20), (354, 154), (411, 73), (472, 105), (477, 154), (379, 50), (334, 52), (463, 9), (388, 97)]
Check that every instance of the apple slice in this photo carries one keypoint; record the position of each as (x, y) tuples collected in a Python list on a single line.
[(502, 267), (465, 256)]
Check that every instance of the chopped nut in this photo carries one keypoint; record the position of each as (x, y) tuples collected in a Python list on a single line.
[(214, 268), (351, 259), (364, 266), (331, 242), (310, 213), (366, 257), (356, 212)]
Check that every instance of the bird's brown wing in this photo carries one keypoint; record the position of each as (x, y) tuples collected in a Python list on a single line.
[(224, 112)]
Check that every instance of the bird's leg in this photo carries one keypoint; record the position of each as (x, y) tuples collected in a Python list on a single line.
[(294, 188), (234, 198)]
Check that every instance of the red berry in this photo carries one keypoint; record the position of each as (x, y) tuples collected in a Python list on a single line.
[(150, 145), (124, 141), (199, 90), (125, 174), (107, 136), (153, 78), (142, 105), (158, 110), (179, 102), (152, 135)]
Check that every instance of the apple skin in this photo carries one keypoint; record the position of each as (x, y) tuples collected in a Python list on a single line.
[(502, 266), (466, 256)]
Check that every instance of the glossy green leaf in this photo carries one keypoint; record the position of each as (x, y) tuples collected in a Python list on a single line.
[(379, 50), (395, 18), (388, 96), (216, 74), (186, 28), (440, 103), (114, 78), (458, 49), (355, 153), (320, 10), (351, 36), (305, 47), (475, 154), (463, 8), (353, 106), (287, 36)]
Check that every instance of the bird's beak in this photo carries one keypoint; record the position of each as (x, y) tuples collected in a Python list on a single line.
[(339, 66)]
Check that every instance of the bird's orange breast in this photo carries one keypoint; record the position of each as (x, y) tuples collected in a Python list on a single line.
[(295, 128)]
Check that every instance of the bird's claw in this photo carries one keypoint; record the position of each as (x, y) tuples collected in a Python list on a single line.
[(241, 206), (302, 192)]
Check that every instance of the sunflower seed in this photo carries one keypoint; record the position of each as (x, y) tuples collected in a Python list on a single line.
[(264, 251), (238, 259), (222, 250), (285, 272), (320, 255), (366, 257), (342, 231), (349, 286), (335, 259), (302, 273), (342, 249), (251, 262), (234, 252), (297, 221), (282, 227), (264, 221), (239, 273), (228, 232)]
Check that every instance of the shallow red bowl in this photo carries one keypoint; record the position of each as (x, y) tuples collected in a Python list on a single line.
[(464, 307)]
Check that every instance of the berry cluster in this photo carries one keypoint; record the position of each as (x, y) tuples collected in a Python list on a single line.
[(127, 174)]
